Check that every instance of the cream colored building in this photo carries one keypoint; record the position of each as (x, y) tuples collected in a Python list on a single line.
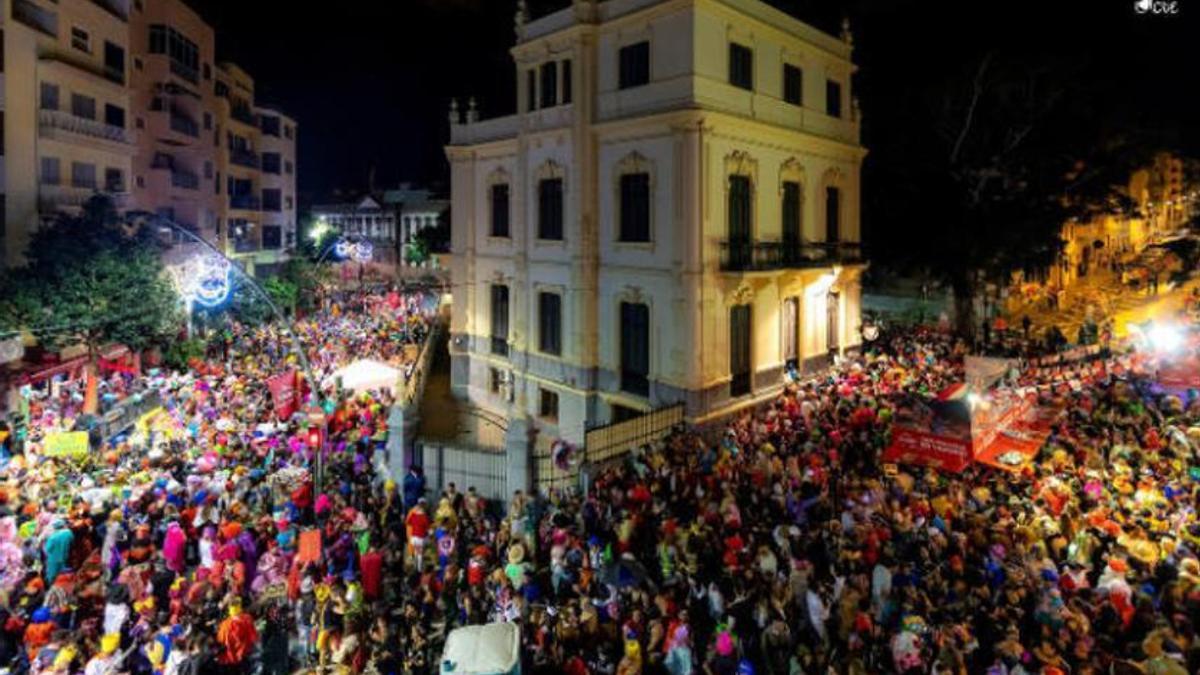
[(672, 215), (66, 120)]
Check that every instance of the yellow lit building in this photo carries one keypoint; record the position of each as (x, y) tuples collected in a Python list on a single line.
[(66, 111)]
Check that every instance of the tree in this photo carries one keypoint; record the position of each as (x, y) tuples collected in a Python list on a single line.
[(94, 281), (1003, 154)]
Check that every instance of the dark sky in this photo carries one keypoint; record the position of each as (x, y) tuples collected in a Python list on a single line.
[(370, 81)]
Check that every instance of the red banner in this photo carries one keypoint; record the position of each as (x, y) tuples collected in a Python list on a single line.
[(916, 447), (1180, 374), (284, 393)]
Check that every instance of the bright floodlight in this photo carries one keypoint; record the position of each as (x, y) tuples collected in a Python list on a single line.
[(1165, 337)]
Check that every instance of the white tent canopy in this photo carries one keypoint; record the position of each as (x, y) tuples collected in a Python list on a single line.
[(490, 649), (365, 374)]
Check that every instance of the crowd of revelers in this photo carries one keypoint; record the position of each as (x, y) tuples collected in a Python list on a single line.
[(780, 545)]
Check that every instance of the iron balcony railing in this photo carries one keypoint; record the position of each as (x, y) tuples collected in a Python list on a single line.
[(756, 256), (184, 124), (62, 120)]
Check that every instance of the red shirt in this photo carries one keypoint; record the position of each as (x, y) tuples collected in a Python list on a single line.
[(418, 523)]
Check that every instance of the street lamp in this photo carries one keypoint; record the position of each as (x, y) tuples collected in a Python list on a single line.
[(208, 287)]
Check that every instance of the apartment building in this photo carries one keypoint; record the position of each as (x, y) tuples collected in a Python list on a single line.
[(127, 97), (672, 215), (65, 111)]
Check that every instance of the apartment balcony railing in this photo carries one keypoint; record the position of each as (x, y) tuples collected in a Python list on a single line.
[(246, 158), (52, 198), (243, 114), (245, 245), (185, 71), (244, 202), (64, 121), (184, 124), (757, 256), (184, 179), (118, 8), (34, 16)]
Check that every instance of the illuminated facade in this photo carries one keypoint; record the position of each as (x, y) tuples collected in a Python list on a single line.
[(64, 113), (672, 215), (126, 98)]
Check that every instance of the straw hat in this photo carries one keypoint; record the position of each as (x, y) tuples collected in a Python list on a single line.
[(516, 554)]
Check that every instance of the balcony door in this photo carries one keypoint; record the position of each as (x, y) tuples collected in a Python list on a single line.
[(739, 222), (833, 215), (635, 348), (791, 221), (739, 350)]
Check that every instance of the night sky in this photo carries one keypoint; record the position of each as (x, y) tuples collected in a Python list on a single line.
[(370, 82)]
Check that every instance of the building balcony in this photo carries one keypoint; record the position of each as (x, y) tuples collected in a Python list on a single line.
[(53, 198), (245, 245), (36, 17), (245, 202), (184, 179), (51, 122), (184, 124), (765, 256), (246, 158), (244, 115), (118, 8)]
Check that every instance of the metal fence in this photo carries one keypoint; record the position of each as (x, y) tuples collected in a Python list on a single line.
[(485, 469), (604, 446)]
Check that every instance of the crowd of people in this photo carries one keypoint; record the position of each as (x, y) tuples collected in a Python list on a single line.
[(777, 543), (787, 546), (198, 542)]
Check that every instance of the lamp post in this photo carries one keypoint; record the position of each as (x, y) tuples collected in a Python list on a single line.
[(160, 221)]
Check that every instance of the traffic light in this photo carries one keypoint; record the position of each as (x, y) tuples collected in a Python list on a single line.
[(314, 437)]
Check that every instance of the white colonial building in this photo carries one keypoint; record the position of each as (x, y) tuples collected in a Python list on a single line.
[(672, 216)]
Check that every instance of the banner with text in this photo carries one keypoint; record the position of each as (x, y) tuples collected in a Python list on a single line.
[(285, 394)]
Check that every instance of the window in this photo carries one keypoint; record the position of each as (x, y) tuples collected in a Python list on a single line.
[(500, 210), (495, 380), (83, 175), (269, 125), (137, 63), (833, 98), (80, 39), (272, 199), (287, 167), (531, 87), (114, 62), (635, 207), (287, 131), (183, 53), (635, 348), (289, 203), (83, 106), (793, 84), (271, 162), (549, 84), (791, 216), (550, 209), (141, 181), (207, 71), (114, 115), (140, 123), (833, 214), (741, 66), (49, 96), (208, 121), (114, 180), (634, 66), (217, 182), (500, 320), (50, 172), (739, 350), (739, 222), (791, 324), (208, 169), (832, 322), (548, 405), (550, 323), (566, 71)]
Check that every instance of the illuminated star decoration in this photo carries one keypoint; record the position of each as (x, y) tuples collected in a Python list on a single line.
[(206, 281), (359, 251)]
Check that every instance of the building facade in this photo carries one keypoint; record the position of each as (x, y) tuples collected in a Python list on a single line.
[(672, 215), (66, 111), (126, 97), (390, 219)]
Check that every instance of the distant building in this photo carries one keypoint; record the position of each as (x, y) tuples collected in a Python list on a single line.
[(128, 99), (672, 215), (390, 219)]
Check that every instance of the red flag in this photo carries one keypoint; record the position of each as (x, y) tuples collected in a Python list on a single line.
[(285, 393)]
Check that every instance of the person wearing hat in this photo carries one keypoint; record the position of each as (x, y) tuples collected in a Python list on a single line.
[(106, 660)]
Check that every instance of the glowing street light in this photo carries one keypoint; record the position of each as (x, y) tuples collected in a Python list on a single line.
[(321, 229)]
